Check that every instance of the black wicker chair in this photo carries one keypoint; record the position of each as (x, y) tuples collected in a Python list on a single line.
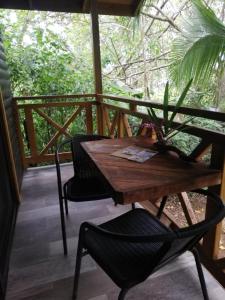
[(87, 184), (134, 245)]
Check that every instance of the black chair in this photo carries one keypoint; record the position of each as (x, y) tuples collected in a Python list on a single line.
[(134, 245), (87, 184)]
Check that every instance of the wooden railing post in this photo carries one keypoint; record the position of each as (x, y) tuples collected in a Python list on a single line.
[(31, 136), (89, 119), (100, 116), (120, 126), (127, 125), (212, 239), (133, 107), (19, 133)]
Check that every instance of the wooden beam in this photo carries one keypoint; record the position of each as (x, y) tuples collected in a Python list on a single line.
[(54, 104), (209, 135), (187, 208), (97, 64), (50, 121), (50, 97), (86, 6), (50, 157), (61, 131), (202, 113), (201, 149)]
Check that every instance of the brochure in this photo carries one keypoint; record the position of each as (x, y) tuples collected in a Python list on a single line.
[(135, 153)]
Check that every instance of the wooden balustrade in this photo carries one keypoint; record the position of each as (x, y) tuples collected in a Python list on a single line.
[(28, 131), (116, 113)]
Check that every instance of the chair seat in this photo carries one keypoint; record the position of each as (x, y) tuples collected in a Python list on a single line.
[(87, 189), (126, 263)]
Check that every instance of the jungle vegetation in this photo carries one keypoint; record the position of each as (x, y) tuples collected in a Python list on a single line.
[(51, 53)]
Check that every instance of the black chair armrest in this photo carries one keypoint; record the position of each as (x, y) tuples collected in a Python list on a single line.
[(57, 163), (168, 236)]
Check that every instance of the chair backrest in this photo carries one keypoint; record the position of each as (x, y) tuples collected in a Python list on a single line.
[(186, 238), (83, 165)]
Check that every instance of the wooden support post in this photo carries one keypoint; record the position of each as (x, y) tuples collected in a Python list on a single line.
[(89, 120), (212, 239), (97, 65)]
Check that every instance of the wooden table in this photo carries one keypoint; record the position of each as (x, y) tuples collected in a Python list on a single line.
[(159, 176)]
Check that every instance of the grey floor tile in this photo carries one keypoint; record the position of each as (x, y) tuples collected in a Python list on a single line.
[(40, 271)]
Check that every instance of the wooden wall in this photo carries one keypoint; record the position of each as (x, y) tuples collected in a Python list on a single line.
[(9, 152), (10, 112)]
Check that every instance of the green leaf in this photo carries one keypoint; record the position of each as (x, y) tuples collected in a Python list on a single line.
[(165, 106), (179, 128), (180, 101), (153, 116)]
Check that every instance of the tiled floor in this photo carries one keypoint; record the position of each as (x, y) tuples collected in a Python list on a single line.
[(39, 270)]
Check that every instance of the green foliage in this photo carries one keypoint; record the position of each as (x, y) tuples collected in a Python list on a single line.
[(50, 53), (163, 127), (200, 48)]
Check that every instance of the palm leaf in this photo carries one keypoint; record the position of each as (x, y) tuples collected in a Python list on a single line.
[(153, 116), (179, 128), (165, 106), (201, 47), (180, 102)]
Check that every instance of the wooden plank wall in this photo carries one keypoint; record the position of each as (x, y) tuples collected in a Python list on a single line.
[(10, 111)]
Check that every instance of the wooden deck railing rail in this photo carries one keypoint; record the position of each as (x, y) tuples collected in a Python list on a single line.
[(117, 113)]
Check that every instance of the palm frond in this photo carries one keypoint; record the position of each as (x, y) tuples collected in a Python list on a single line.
[(201, 47)]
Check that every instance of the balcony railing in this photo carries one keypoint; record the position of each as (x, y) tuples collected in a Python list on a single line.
[(118, 117)]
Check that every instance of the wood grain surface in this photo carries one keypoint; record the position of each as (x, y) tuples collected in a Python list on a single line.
[(161, 175)]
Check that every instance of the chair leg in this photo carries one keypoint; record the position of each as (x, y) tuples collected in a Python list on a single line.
[(162, 205), (66, 206), (133, 205), (63, 225), (77, 270), (200, 274), (122, 294), (65, 200)]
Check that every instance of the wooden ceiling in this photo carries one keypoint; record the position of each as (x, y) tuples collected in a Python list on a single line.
[(104, 7)]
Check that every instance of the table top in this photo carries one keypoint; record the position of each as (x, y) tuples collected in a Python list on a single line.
[(159, 176)]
